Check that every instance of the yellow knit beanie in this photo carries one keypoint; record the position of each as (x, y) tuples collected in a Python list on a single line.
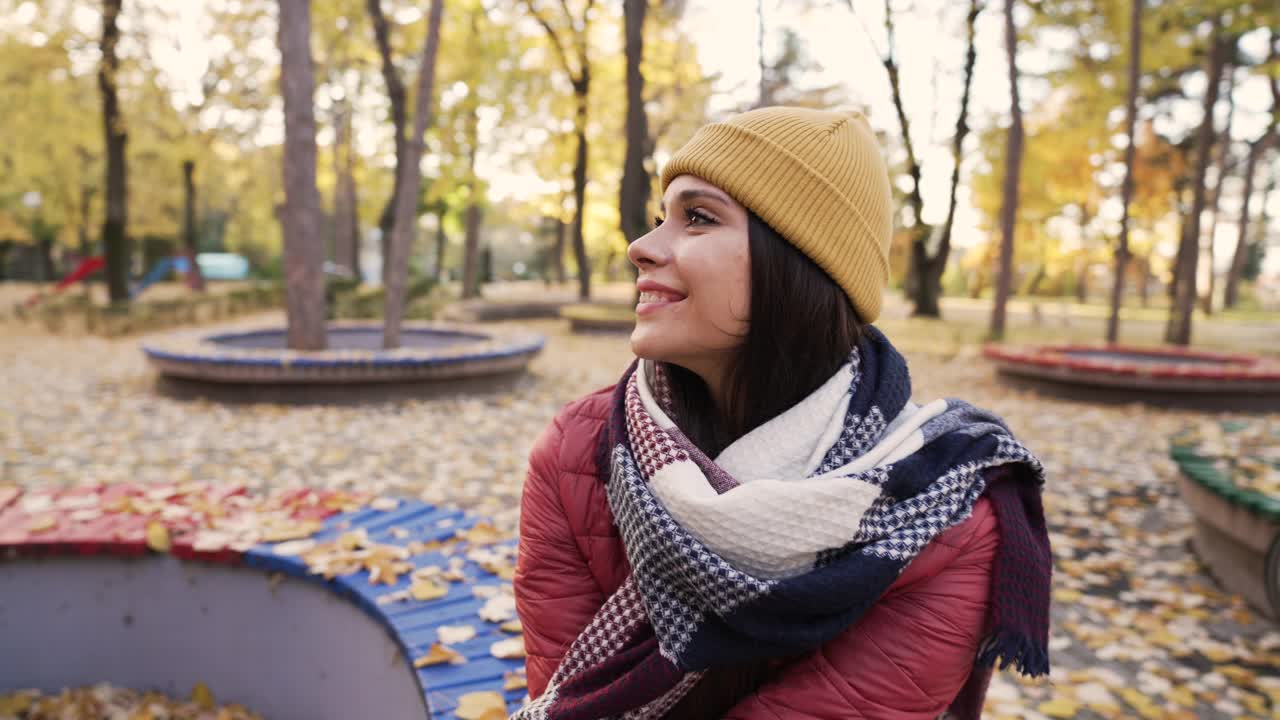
[(815, 176)]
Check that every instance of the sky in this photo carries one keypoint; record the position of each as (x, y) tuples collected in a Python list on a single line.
[(930, 48)]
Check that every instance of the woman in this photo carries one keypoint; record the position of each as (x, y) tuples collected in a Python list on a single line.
[(756, 521)]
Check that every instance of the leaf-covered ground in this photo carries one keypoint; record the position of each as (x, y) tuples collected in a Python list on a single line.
[(1140, 628)]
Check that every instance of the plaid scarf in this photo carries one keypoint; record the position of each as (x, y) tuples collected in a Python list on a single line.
[(725, 571)]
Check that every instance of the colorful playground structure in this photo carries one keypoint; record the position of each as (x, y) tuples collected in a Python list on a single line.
[(212, 266)]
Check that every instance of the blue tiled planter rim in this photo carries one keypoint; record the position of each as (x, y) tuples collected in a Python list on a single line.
[(504, 345)]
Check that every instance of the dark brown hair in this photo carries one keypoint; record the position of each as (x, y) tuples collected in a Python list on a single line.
[(801, 329)]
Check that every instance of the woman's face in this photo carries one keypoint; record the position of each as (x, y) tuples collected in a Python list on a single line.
[(694, 279)]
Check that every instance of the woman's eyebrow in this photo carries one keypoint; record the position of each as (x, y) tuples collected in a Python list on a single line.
[(686, 196)]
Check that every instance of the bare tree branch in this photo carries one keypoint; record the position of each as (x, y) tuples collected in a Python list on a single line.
[(555, 37), (865, 31)]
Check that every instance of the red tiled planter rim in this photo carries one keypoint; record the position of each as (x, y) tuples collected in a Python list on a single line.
[(1234, 366)]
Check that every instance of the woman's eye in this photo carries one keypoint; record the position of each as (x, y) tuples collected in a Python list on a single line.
[(697, 217), (656, 222)]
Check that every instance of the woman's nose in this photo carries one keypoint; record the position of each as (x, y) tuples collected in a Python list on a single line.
[(649, 249)]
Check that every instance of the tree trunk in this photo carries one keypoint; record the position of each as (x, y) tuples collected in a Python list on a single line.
[(471, 230), (925, 290), (580, 79), (1144, 283), (82, 231), (929, 268), (633, 197), (303, 243), (399, 120), (1182, 207), (195, 280), (1231, 294), (1224, 163), (580, 186), (345, 224), (1178, 331), (410, 176), (917, 269), (558, 251), (1257, 149), (441, 241), (115, 238), (471, 253), (1126, 188), (45, 270), (1012, 173)]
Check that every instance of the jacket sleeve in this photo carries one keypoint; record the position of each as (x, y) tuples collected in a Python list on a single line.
[(556, 594), (909, 656)]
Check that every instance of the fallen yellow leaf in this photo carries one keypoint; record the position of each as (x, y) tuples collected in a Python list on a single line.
[(487, 705), (1142, 704), (514, 681), (437, 654), (510, 648), (291, 531), (202, 696), (1256, 704), (42, 523), (1060, 708), (14, 703), (424, 590), (158, 537), (1066, 595), (481, 534), (1239, 675), (1164, 638), (1183, 696), (504, 571), (1217, 655)]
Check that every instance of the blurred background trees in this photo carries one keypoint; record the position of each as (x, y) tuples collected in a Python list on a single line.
[(550, 121)]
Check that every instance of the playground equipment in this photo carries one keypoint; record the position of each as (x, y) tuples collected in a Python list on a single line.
[(213, 266), (298, 604), (160, 271), (223, 266), (87, 267), (1160, 376)]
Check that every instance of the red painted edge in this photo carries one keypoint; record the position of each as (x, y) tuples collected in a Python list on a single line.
[(1243, 367), (113, 519)]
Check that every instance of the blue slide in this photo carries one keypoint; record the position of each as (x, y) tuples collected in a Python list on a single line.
[(159, 272)]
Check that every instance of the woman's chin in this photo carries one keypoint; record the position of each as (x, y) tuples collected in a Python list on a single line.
[(648, 342)]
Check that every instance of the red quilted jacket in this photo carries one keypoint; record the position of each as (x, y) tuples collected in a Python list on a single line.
[(907, 657)]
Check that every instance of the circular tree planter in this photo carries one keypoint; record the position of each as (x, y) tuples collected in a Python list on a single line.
[(269, 602), (1231, 490), (432, 356), (594, 318), (485, 310), (1160, 376)]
